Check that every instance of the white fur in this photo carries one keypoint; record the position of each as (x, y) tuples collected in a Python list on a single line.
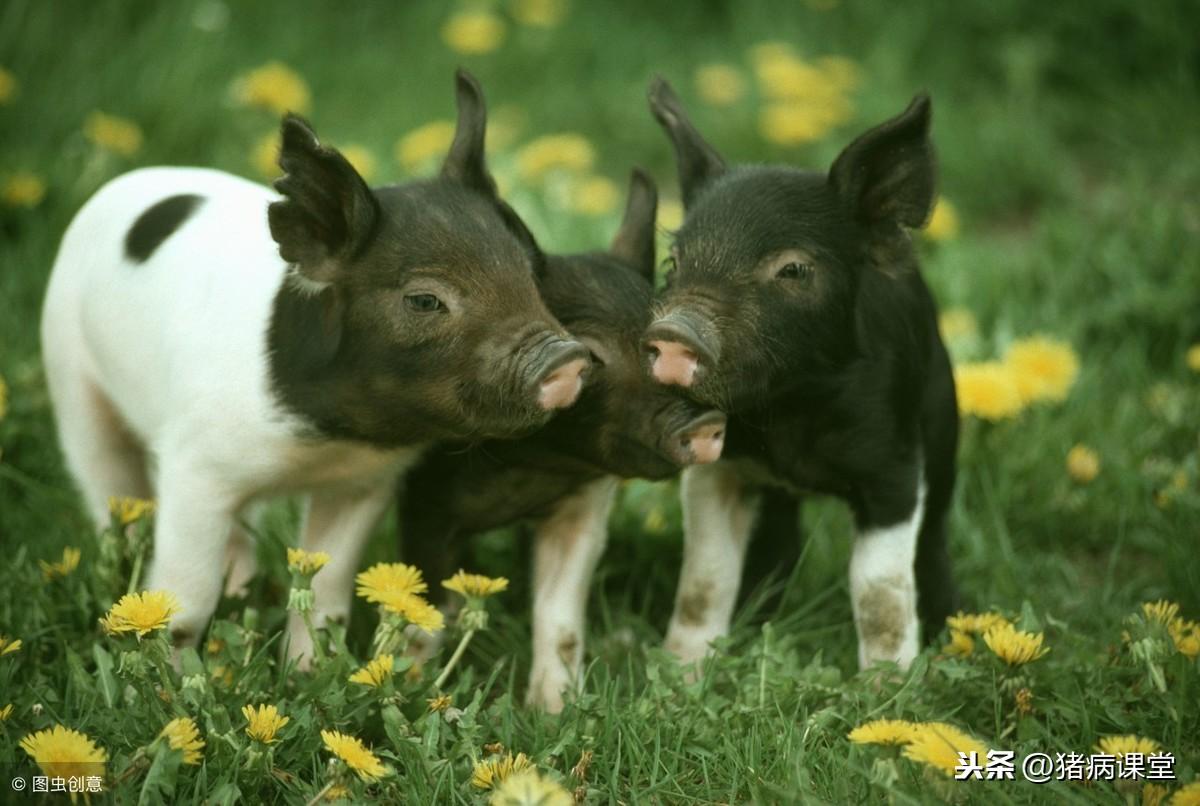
[(569, 544), (883, 590), (159, 376)]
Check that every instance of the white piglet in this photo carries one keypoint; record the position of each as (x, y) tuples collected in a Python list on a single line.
[(212, 343)]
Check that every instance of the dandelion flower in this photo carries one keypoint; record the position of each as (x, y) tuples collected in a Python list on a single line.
[(555, 152), (594, 196), (264, 723), (961, 644), (791, 124), (424, 144), (127, 509), (1153, 794), (943, 222), (65, 753), (782, 75), (475, 585), (112, 133), (529, 788), (1013, 646), (1044, 369), (375, 673), (439, 703), (975, 622), (938, 745), (361, 159), (1193, 358), (1083, 464), (356, 755), (6, 712), (1187, 796), (492, 772), (720, 84), (473, 32), (988, 390), (182, 734), (670, 214), (840, 73), (384, 580), (140, 613), (883, 731), (539, 13), (1161, 612), (60, 568), (306, 562), (23, 189), (9, 86), (273, 86), (957, 323), (416, 611), (9, 645), (1186, 635), (1120, 746)]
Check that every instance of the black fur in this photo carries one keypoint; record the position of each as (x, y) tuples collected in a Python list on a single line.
[(157, 224)]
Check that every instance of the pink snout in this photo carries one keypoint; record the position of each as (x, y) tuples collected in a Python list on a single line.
[(700, 442), (672, 362), (561, 387)]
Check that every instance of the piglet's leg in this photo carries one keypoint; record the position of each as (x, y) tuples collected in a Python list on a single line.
[(883, 588), (338, 521), (718, 516), (568, 545)]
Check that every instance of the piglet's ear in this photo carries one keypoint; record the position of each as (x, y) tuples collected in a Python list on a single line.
[(327, 213), (466, 163), (698, 162), (634, 242), (888, 174)]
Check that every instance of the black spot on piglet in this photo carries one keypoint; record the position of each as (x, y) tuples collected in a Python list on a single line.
[(157, 224)]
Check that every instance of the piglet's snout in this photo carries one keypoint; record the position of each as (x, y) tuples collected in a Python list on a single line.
[(700, 441), (562, 380), (676, 352)]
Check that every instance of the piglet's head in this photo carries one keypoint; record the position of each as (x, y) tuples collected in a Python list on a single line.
[(776, 273), (410, 312), (625, 422)]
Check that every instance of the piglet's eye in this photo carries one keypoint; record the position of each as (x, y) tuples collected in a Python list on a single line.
[(423, 303), (795, 271)]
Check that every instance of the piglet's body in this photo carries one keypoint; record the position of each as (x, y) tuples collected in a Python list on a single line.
[(211, 343)]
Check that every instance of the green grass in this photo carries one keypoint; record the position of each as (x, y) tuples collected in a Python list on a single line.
[(1067, 143)]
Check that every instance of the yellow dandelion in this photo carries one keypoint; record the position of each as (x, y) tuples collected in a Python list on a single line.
[(112, 133), (182, 734), (306, 562), (1083, 464), (384, 580), (1186, 635), (961, 644), (1153, 794), (883, 731), (475, 585), (790, 124), (473, 32), (943, 222), (273, 86), (6, 712), (1187, 796), (1192, 357), (491, 772), (720, 84), (529, 788), (362, 160), (670, 214), (840, 73), (988, 390), (1014, 646), (1023, 700), (375, 673), (1044, 369), (264, 157), (222, 675), (975, 622), (140, 613), (424, 144), (539, 13), (65, 753), (9, 645), (23, 189), (356, 755), (555, 152), (782, 75), (60, 568), (938, 745), (264, 723), (9, 86), (439, 703), (127, 509), (416, 611), (957, 323), (594, 196), (1120, 746), (1161, 612)]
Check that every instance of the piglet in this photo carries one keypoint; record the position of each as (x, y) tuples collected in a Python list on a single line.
[(212, 343), (564, 477), (795, 304)]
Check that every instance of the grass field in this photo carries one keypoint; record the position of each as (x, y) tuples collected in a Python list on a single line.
[(1070, 176)]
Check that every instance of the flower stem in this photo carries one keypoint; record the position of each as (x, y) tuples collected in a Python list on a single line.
[(454, 659), (318, 650), (317, 797), (136, 576)]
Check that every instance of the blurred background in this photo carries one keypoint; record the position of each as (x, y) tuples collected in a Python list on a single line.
[(1067, 227)]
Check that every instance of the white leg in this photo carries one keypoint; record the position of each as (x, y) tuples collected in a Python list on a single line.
[(718, 516), (339, 522), (883, 590), (240, 562), (569, 544)]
